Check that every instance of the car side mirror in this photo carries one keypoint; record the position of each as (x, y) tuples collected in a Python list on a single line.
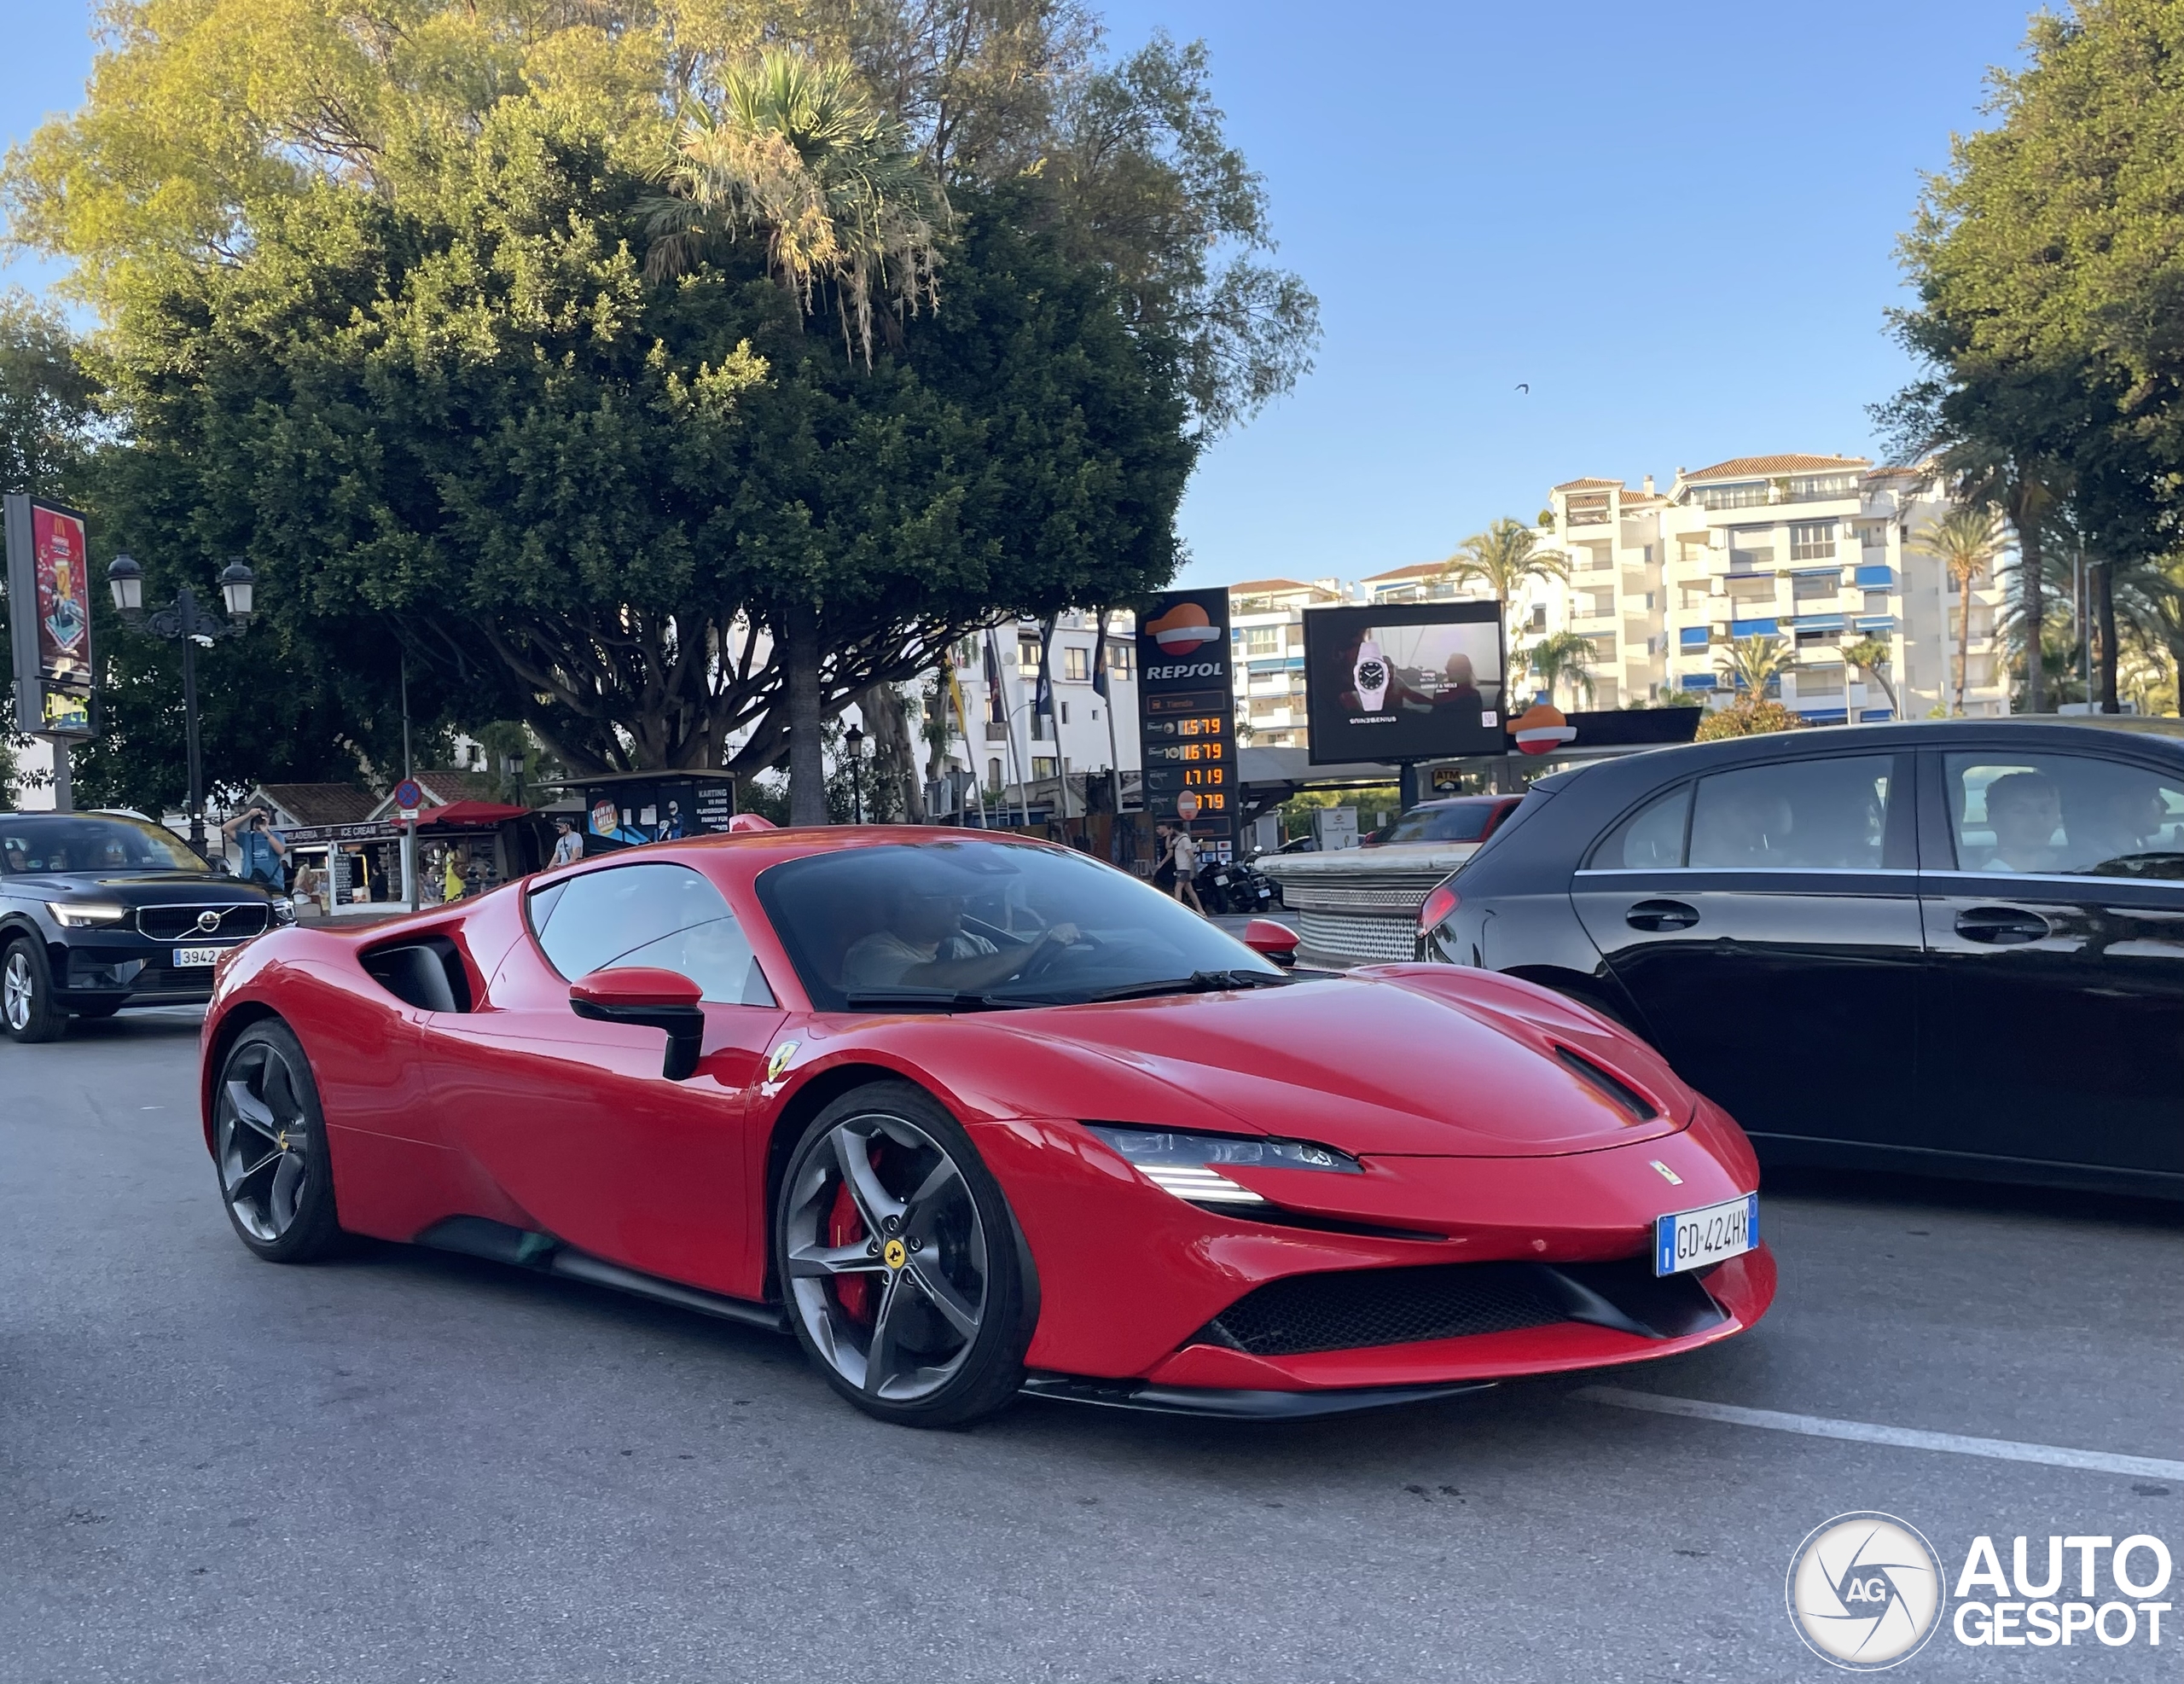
[(1277, 942), (655, 999)]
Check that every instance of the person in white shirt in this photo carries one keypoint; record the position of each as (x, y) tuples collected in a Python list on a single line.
[(1185, 855), (924, 945), (2024, 812), (568, 847)]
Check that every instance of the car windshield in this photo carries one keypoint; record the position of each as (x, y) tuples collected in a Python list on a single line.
[(989, 923), (82, 842), (1452, 822)]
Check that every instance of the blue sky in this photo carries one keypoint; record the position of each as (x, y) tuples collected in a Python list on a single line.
[(1676, 222)]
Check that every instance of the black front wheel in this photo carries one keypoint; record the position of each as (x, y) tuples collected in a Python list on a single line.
[(28, 1011), (269, 1141), (897, 1256)]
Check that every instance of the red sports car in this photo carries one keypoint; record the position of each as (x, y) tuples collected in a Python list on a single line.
[(973, 1116)]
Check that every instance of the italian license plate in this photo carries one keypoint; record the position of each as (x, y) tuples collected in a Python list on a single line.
[(185, 957), (1695, 1239)]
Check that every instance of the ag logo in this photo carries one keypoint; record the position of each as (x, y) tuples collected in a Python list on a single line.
[(1865, 1591)]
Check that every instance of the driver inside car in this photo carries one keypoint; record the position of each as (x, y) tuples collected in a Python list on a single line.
[(924, 945)]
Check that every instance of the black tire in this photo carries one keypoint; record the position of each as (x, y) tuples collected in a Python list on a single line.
[(269, 1148), (902, 1259), (28, 1011)]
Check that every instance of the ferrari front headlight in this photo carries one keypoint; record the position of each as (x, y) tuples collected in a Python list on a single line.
[(1189, 1165)]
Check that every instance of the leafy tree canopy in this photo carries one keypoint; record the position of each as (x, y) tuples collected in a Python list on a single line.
[(374, 277)]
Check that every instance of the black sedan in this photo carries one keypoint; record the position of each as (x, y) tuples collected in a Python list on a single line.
[(99, 911), (1954, 948)]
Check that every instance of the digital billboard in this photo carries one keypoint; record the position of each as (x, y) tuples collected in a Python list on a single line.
[(1408, 681), (1185, 714), (50, 617)]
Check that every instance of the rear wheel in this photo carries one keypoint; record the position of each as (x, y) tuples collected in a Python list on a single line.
[(268, 1140), (896, 1255), (28, 1011)]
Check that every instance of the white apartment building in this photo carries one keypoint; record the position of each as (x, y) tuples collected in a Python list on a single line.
[(1807, 548), (1014, 744), (1266, 621)]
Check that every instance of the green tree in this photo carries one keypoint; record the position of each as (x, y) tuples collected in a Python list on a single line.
[(1754, 665), (2049, 264), (798, 158), (376, 316), (1562, 659), (1501, 558), (1966, 542), (1872, 656)]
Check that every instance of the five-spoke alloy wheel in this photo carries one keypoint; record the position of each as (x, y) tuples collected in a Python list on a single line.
[(27, 1008), (268, 1139), (898, 1261)]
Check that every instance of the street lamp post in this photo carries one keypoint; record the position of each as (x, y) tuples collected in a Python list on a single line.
[(854, 739), (191, 625)]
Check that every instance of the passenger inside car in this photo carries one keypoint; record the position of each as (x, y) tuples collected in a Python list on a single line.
[(2025, 813), (924, 944)]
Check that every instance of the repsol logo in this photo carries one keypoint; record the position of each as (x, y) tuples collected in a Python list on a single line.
[(1183, 670)]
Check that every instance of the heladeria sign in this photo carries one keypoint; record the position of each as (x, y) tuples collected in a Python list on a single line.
[(1185, 714), (49, 618)]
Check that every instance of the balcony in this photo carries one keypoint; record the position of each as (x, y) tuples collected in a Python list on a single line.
[(996, 731)]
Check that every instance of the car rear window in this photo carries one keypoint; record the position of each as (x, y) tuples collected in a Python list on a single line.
[(1458, 822)]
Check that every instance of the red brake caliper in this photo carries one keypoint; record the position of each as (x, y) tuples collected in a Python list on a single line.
[(844, 1226)]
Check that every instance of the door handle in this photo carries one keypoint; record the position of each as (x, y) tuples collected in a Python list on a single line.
[(2001, 926), (1661, 915)]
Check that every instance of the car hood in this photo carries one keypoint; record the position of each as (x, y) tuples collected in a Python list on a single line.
[(1374, 1064), (140, 888)]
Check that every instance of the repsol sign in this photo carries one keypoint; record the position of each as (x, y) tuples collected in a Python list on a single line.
[(1164, 672)]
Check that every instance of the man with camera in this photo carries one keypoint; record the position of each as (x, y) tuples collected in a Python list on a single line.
[(264, 851)]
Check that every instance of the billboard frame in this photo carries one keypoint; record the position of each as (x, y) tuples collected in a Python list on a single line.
[(36, 684), (1334, 740)]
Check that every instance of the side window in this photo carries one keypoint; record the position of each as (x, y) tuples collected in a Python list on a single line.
[(1650, 838), (631, 916), (2064, 815), (1828, 815)]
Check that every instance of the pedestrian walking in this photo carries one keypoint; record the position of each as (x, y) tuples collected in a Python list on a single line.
[(453, 888), (568, 847), (1164, 858), (264, 850), (1186, 858)]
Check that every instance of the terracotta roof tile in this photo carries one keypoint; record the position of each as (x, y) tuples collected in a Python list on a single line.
[(1421, 570), (1590, 485), (322, 803), (1749, 467), (1261, 587)]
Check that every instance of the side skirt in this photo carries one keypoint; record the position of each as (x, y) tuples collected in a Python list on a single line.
[(498, 1242)]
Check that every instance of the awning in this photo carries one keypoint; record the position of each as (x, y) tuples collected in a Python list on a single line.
[(470, 815)]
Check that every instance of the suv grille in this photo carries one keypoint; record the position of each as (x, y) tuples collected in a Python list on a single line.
[(237, 919)]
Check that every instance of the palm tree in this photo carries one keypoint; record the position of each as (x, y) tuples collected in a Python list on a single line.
[(797, 157), (1871, 656), (1563, 658), (1752, 664), (1965, 541), (1501, 558)]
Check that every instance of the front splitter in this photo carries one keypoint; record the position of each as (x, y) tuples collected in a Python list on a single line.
[(1238, 1405)]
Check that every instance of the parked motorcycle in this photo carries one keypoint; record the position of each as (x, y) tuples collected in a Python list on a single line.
[(1236, 887)]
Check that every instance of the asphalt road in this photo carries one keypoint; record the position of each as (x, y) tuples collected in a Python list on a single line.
[(405, 1466)]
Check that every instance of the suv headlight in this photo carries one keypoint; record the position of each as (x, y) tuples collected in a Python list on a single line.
[(284, 911), (85, 914), (1184, 1164)]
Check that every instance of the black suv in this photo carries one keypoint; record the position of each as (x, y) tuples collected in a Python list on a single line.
[(99, 911)]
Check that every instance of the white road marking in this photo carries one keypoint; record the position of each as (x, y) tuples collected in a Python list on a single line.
[(1869, 1432)]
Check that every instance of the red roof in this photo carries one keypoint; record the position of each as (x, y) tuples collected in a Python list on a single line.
[(1589, 485), (475, 814)]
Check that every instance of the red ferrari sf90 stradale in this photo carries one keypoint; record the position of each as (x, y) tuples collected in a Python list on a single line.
[(973, 1116)]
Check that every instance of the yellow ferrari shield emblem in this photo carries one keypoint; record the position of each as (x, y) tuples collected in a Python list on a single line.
[(894, 1254)]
